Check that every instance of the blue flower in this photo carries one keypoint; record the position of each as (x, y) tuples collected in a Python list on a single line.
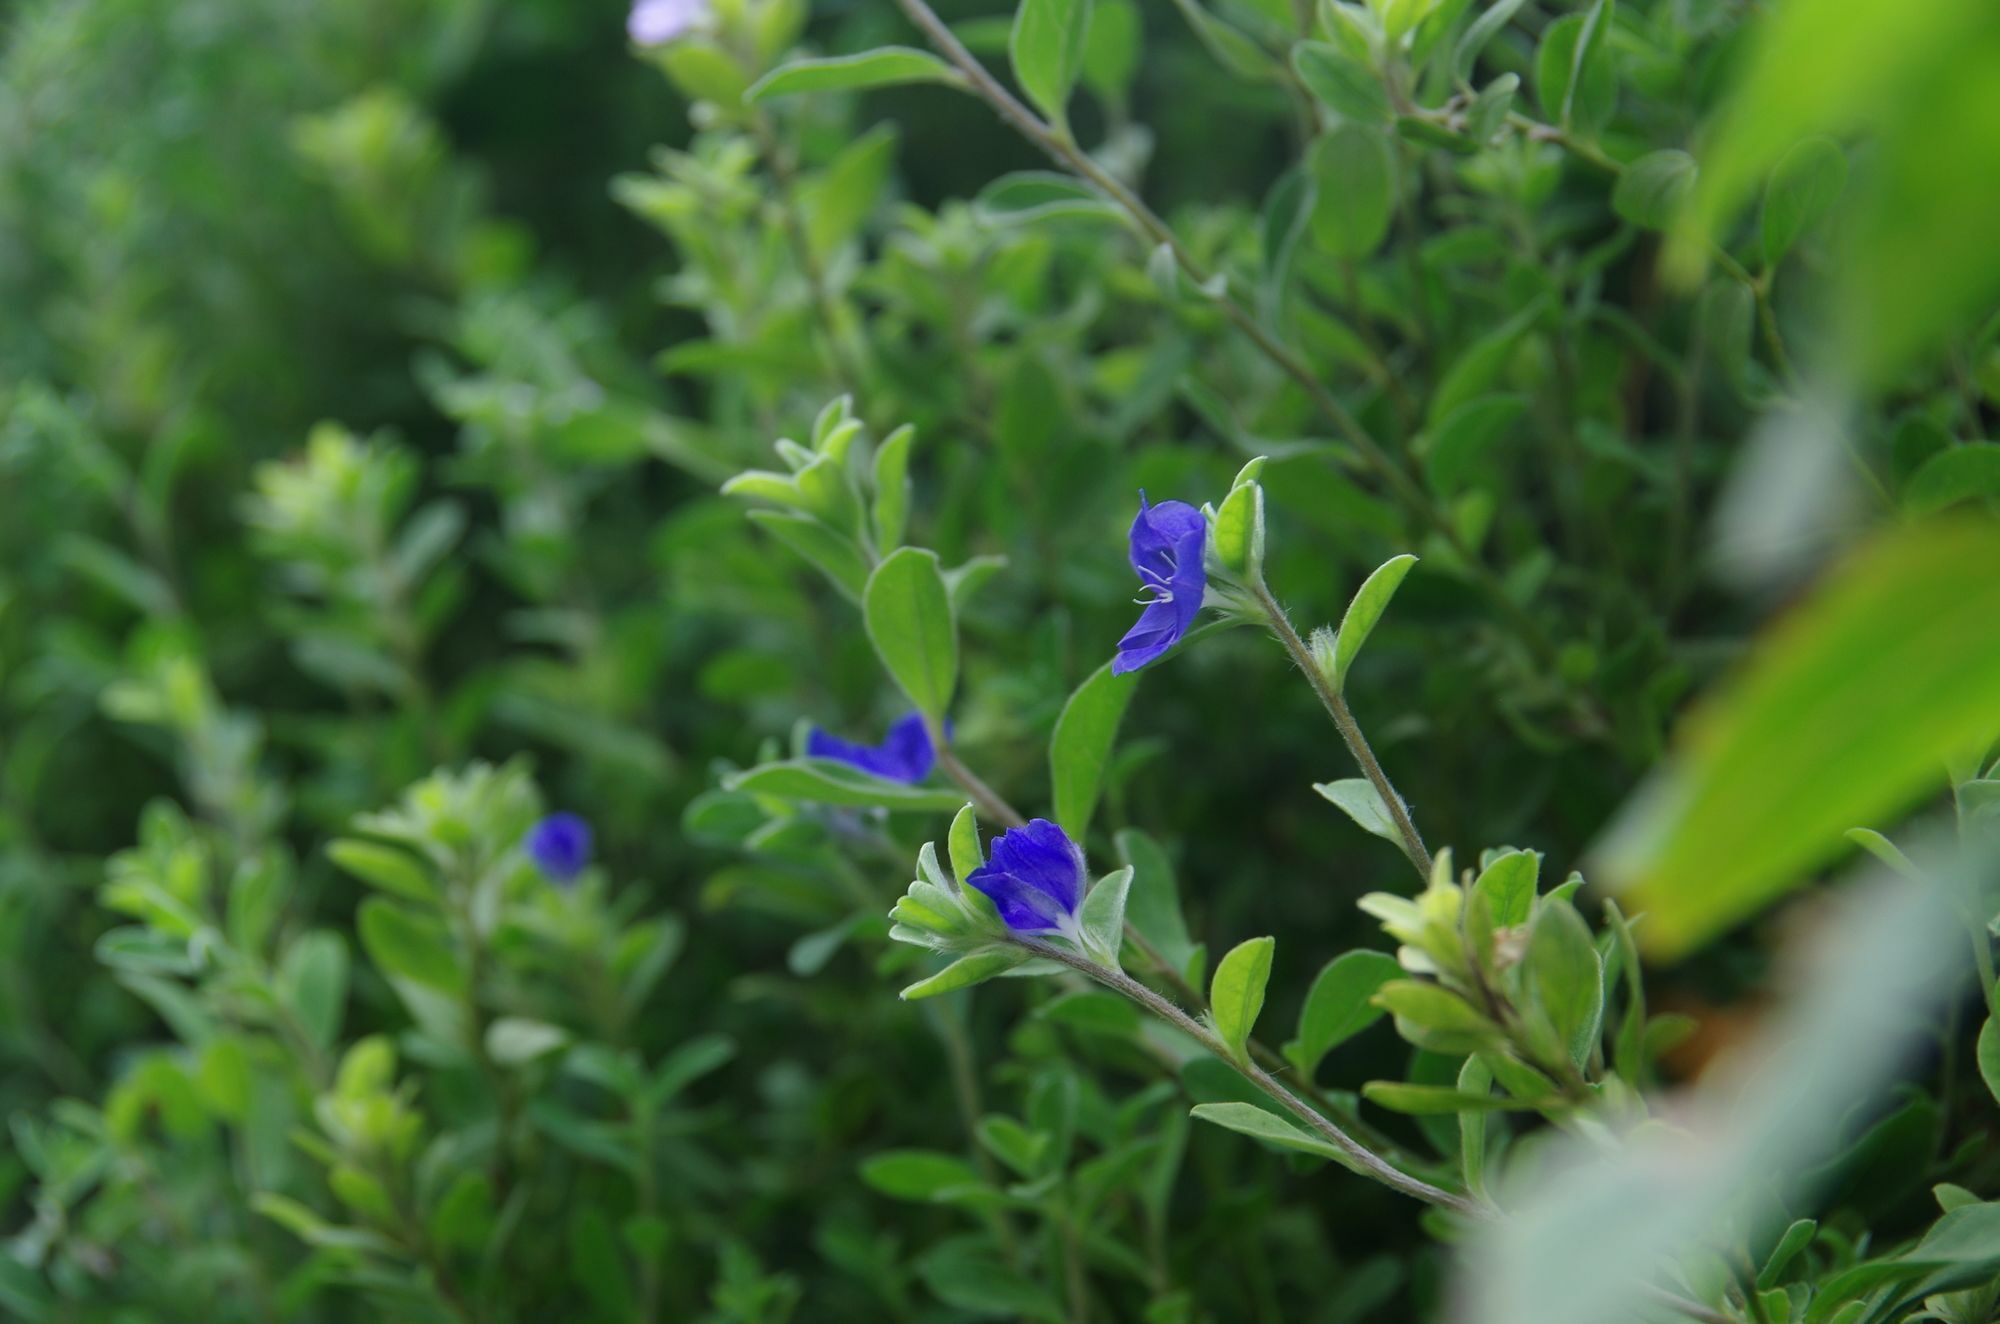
[(560, 846), (1167, 542), (1034, 877), (905, 754)]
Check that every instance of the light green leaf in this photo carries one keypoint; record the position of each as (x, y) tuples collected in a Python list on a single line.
[(965, 972), (1565, 980), (1339, 1006), (1353, 172), (388, 867), (882, 67), (1370, 601), (1843, 714), (827, 551), (513, 1040), (1989, 1056), (1027, 197), (1236, 994), (908, 611), (1239, 532), (1360, 801), (823, 781), (962, 844), (1432, 1017), (1102, 914), (1961, 473), (1432, 1100), (1654, 188), (1080, 748), (892, 488), (1508, 884), (920, 1174), (1263, 1124), (1046, 48), (406, 945), (1344, 83), (312, 979)]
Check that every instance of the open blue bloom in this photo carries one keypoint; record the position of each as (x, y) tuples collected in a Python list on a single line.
[(1167, 543), (1034, 877), (560, 846), (905, 754)]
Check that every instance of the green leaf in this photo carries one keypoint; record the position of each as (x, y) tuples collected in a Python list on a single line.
[(1844, 713), (1231, 48), (1344, 83), (1432, 1017), (1795, 1239), (823, 781), (884, 66), (1360, 801), (909, 616), (1654, 188), (1353, 172), (1239, 532), (962, 844), (1565, 980), (1573, 77), (1046, 48), (965, 972), (1370, 601), (920, 1174), (969, 1276), (1236, 994), (1508, 884), (1153, 903), (1339, 1006), (1434, 1100), (1039, 197), (390, 868), (1262, 1124), (1080, 748), (892, 488), (1989, 1056), (406, 945), (1962, 473), (832, 554), (514, 1040), (312, 979), (1483, 29), (1102, 914), (1803, 185)]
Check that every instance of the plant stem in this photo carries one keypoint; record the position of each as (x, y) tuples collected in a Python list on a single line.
[(1361, 1158), (1350, 730), (1059, 145), (989, 801)]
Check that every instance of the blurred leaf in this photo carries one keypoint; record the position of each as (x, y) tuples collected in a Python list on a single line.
[(1653, 189), (410, 946), (1153, 904), (1803, 185), (823, 781), (882, 67), (1046, 47), (1843, 714), (1343, 83), (1353, 174), (1962, 473)]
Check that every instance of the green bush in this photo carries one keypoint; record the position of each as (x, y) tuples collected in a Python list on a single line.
[(546, 566)]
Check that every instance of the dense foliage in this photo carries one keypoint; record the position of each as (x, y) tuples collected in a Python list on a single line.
[(548, 557)]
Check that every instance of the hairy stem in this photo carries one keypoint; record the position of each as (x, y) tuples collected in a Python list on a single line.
[(1350, 730), (1359, 1156)]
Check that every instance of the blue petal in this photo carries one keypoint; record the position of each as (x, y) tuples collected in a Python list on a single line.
[(1157, 534), (1034, 876), (904, 756), (560, 846), (1158, 630)]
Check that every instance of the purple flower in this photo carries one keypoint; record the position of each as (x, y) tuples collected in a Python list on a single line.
[(1167, 542), (560, 846), (905, 754), (657, 22), (1034, 877)]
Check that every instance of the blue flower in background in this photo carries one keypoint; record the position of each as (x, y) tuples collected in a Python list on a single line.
[(905, 754), (657, 22), (560, 846), (1034, 877), (1167, 542)]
